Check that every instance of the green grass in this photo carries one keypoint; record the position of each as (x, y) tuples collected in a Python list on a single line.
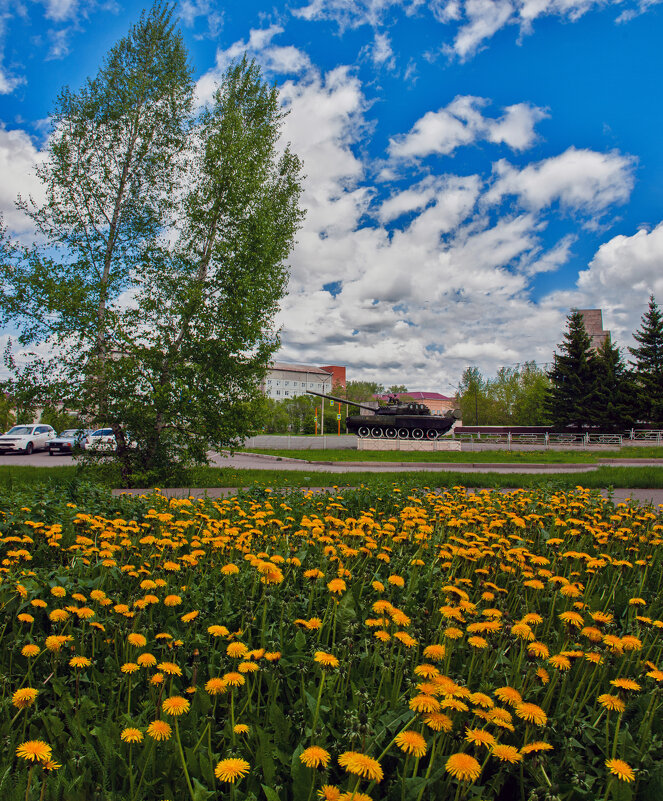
[(625, 477), (466, 456)]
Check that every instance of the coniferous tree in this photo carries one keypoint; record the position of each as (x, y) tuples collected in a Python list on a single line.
[(614, 406), (572, 395), (648, 363)]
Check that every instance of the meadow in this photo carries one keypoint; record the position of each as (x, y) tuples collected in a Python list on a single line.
[(370, 644)]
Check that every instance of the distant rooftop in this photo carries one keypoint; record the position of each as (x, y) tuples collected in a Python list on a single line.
[(419, 396), (299, 368)]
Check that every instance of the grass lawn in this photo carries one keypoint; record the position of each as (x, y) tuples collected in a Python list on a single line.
[(626, 477), (526, 457)]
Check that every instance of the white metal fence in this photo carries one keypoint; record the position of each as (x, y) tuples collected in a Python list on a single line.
[(652, 437)]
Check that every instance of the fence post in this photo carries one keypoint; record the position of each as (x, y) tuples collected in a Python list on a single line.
[(546, 439), (508, 439)]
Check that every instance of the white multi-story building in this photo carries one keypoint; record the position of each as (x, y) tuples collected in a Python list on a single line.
[(289, 380)]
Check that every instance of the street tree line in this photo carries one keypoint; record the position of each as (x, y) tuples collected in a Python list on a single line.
[(583, 388)]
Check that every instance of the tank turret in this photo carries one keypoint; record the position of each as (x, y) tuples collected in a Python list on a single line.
[(396, 420)]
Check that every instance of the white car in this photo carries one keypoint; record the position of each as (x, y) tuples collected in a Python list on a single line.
[(26, 439), (102, 439)]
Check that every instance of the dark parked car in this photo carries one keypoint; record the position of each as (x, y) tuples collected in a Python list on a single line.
[(69, 440)]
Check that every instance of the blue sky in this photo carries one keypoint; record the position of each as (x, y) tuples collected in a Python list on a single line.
[(474, 167)]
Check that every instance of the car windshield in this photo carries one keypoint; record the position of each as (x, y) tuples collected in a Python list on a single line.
[(20, 430), (70, 432), (103, 432)]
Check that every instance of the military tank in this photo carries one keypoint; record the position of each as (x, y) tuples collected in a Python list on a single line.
[(396, 420)]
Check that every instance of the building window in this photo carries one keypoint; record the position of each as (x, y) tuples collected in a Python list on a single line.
[(269, 380), (286, 392), (294, 383), (286, 383)]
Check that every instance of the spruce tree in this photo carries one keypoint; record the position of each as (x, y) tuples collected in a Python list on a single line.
[(571, 399), (648, 363), (614, 405)]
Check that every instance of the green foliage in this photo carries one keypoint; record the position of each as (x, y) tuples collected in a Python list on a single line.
[(60, 419), (615, 408), (190, 214), (648, 364), (514, 397), (573, 395)]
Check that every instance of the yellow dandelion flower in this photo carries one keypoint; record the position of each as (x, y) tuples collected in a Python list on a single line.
[(326, 660), (424, 703), (129, 667), (24, 697), (216, 686), (241, 728), (611, 702), (147, 660), (361, 765), (536, 747), (137, 640), (30, 650), (560, 662), (479, 737), (34, 751), (435, 652), (508, 695), (236, 650), (411, 742), (176, 705), (626, 684), (314, 756), (231, 769), (438, 721), (159, 730), (463, 767), (169, 668), (218, 631), (506, 753), (131, 735), (532, 714), (234, 679), (622, 770), (172, 600)]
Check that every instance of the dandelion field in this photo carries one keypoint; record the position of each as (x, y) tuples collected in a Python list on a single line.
[(356, 646)]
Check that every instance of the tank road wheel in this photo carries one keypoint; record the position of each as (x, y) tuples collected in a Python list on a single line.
[(403, 433), (363, 431), (431, 434), (417, 434), (390, 433), (376, 432)]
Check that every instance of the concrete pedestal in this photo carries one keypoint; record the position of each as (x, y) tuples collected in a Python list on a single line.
[(369, 444)]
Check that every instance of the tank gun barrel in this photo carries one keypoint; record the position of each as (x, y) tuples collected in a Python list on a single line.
[(341, 400)]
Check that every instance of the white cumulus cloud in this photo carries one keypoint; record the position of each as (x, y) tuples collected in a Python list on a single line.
[(461, 123), (578, 179)]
